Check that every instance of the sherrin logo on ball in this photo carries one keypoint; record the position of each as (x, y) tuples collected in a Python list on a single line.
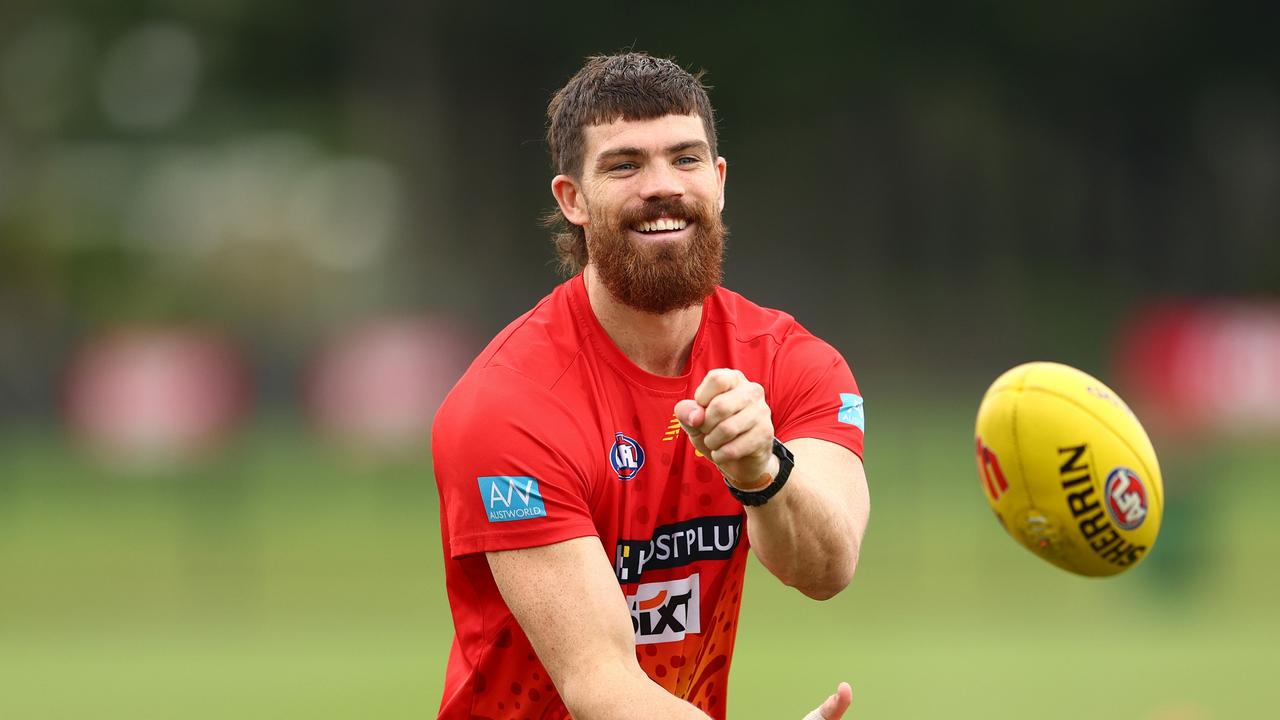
[(1068, 469)]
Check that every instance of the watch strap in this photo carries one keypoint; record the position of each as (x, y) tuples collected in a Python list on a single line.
[(755, 498)]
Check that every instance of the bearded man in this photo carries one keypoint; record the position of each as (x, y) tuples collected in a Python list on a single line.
[(605, 464)]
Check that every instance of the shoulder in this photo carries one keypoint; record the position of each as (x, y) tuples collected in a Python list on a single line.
[(749, 322), (498, 422), (511, 388), (489, 392), (772, 344), (503, 404), (538, 346)]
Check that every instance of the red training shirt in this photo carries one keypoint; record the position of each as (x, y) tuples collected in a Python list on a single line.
[(554, 434)]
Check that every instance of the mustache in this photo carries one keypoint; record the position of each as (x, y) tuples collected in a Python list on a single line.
[(664, 207)]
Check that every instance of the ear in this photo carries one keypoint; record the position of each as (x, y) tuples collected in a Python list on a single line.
[(570, 199), (722, 166)]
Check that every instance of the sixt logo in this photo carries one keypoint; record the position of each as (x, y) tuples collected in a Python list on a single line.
[(508, 498), (626, 456), (678, 544), (666, 611), (1126, 498)]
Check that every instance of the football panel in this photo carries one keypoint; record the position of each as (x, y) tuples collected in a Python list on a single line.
[(1109, 409), (999, 466), (1067, 455)]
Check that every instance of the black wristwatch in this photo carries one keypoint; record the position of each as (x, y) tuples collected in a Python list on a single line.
[(754, 498)]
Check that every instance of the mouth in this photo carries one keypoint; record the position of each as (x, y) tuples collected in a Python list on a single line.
[(663, 227)]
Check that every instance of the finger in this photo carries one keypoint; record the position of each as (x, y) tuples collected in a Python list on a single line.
[(834, 707), (691, 415), (726, 405), (716, 382), (745, 422), (755, 441)]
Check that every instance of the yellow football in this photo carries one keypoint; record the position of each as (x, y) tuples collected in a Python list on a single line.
[(1068, 469)]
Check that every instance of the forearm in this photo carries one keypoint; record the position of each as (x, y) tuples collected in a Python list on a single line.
[(805, 540), (808, 534), (614, 691), (569, 604)]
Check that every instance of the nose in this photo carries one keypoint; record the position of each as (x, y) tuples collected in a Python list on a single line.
[(660, 181)]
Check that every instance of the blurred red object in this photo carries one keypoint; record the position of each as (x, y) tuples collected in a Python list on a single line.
[(145, 395), (378, 386), (1196, 367)]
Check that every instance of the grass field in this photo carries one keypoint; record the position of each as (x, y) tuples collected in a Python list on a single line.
[(288, 581)]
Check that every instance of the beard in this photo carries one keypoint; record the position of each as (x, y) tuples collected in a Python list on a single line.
[(660, 276)]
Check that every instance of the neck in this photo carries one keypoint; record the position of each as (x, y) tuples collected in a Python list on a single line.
[(659, 344)]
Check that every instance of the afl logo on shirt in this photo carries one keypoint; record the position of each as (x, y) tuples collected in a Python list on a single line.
[(626, 456)]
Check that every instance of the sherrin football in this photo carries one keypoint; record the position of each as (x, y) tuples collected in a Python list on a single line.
[(1068, 469)]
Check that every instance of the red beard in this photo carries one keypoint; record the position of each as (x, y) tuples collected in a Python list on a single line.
[(662, 276)]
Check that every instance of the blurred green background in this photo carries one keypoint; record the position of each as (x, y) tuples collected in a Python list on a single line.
[(941, 190)]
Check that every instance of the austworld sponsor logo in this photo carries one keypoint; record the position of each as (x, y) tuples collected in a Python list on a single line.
[(677, 545), (666, 611), (851, 411), (511, 497)]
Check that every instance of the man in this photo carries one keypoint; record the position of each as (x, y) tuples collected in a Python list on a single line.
[(605, 463)]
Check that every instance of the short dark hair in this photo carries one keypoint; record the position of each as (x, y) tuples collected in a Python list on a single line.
[(628, 86)]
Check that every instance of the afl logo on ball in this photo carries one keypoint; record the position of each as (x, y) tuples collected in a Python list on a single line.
[(1126, 498), (626, 456)]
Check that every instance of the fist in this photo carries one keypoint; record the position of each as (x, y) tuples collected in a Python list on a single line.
[(728, 421)]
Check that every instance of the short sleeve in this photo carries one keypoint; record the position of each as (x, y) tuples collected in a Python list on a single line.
[(512, 466), (813, 394)]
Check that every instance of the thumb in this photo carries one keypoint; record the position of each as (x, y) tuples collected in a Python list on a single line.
[(690, 414), (835, 705)]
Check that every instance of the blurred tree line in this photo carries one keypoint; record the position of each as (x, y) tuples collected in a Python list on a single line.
[(934, 186)]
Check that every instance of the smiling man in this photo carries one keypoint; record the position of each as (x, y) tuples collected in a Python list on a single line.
[(608, 460)]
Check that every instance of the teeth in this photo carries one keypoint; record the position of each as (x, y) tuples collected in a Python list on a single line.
[(662, 225)]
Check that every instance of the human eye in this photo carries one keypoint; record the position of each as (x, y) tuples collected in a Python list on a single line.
[(688, 160)]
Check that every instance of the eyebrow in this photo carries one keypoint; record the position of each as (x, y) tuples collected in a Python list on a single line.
[(680, 147)]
